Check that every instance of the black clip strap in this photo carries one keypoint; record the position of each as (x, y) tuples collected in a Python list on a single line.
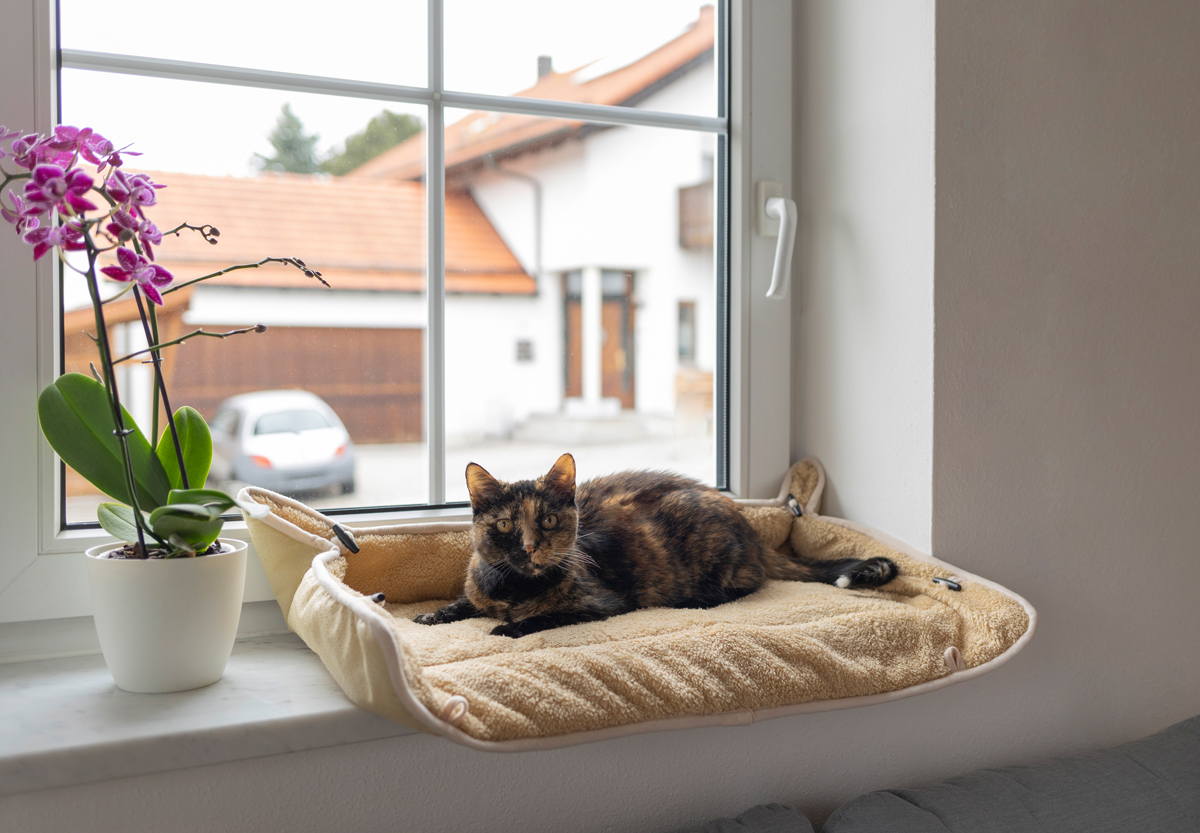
[(345, 537), (951, 583), (794, 505)]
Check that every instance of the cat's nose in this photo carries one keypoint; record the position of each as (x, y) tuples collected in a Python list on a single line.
[(530, 547)]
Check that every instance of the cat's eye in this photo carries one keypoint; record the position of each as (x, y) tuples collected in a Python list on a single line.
[(550, 521), (504, 525)]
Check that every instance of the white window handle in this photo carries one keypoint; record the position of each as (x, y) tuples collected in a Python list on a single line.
[(785, 210)]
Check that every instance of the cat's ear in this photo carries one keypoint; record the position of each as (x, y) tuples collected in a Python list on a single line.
[(482, 486), (561, 477)]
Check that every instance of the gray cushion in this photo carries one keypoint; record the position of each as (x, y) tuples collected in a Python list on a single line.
[(765, 818), (1151, 785)]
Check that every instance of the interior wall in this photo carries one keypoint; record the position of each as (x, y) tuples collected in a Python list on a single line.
[(1067, 400), (863, 340), (1064, 438)]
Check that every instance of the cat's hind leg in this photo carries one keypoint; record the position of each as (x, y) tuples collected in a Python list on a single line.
[(459, 609), (856, 572)]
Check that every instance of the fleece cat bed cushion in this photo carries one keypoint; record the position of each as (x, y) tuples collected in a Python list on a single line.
[(788, 648)]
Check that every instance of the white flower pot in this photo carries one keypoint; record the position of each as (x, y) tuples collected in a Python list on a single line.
[(167, 624)]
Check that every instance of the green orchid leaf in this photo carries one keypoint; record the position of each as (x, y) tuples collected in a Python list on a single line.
[(196, 442), (217, 499), (117, 520), (76, 418), (206, 497), (182, 547), (197, 524)]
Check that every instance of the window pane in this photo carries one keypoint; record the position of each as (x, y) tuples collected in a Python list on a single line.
[(579, 235), (345, 425), (385, 42), (657, 55)]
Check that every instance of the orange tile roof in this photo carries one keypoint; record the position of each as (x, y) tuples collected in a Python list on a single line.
[(360, 234), (471, 139)]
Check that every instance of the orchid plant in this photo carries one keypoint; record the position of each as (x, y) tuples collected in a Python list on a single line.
[(162, 506)]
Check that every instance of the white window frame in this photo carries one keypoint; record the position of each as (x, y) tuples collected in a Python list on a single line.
[(41, 571)]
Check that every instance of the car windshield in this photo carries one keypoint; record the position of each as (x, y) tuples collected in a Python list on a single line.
[(284, 422)]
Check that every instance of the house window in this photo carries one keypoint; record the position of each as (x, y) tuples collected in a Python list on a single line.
[(429, 198)]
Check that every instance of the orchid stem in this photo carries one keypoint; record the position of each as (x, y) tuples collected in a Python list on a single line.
[(258, 328), (160, 386), (113, 397), (290, 261)]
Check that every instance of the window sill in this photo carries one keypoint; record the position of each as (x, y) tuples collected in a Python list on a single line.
[(66, 723)]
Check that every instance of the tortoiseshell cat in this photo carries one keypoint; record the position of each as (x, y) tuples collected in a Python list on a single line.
[(547, 555)]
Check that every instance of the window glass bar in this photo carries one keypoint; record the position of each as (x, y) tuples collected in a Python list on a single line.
[(721, 254), (242, 77), (435, 325)]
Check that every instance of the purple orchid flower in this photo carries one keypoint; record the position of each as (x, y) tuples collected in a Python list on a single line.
[(67, 237), (32, 150), (87, 143), (5, 135), (136, 190), (134, 267), (149, 236), (125, 226), (22, 216), (52, 187)]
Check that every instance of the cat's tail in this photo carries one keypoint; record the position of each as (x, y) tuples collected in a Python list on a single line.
[(840, 572)]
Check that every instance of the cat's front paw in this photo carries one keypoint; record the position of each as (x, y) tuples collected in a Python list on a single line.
[(507, 629), (426, 618)]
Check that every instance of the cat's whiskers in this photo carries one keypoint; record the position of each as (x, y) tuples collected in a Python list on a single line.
[(574, 556)]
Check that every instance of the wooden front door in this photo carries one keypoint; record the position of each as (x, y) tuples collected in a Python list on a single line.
[(616, 351)]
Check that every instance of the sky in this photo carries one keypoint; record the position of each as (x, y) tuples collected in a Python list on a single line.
[(491, 47)]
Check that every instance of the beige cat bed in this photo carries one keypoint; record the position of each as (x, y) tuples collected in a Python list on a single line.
[(789, 648)]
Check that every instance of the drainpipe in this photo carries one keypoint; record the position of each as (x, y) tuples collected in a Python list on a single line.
[(537, 213)]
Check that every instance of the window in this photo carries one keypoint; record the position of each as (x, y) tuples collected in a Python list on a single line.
[(416, 376)]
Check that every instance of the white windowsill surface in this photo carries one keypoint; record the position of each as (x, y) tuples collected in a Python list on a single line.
[(65, 722)]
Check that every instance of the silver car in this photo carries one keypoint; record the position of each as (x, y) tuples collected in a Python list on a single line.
[(288, 441)]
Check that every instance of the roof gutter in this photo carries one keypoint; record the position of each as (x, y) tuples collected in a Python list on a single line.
[(490, 161)]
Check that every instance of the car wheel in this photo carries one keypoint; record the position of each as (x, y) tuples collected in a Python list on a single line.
[(348, 486)]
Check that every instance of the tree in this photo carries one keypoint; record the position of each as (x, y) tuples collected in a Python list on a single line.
[(294, 151), (385, 131)]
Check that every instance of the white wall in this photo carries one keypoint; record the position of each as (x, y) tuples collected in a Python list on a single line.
[(1067, 400), (863, 341), (1065, 453)]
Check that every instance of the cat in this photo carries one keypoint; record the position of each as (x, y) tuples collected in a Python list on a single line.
[(547, 555)]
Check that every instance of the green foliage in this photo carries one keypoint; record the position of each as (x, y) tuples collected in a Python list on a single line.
[(189, 526), (76, 418), (294, 150), (117, 520), (383, 132), (196, 442), (188, 523)]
